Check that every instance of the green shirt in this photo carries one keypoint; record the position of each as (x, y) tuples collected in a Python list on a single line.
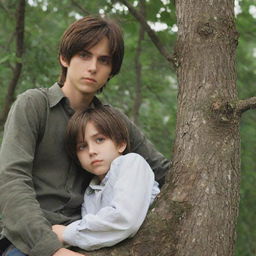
[(39, 184)]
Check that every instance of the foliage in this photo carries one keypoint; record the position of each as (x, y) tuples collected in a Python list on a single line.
[(46, 21), (246, 71)]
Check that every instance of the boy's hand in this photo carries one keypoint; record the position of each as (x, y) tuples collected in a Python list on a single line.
[(59, 230), (66, 252)]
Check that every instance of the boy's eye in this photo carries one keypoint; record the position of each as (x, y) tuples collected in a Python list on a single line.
[(84, 54), (106, 60)]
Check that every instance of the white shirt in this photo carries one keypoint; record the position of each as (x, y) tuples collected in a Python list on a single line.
[(116, 208)]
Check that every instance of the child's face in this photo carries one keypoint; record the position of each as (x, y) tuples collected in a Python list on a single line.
[(97, 151)]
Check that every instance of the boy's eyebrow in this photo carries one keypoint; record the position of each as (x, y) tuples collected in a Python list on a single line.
[(106, 56), (86, 51), (102, 55)]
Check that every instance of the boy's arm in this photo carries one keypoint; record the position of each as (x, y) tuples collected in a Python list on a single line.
[(23, 221)]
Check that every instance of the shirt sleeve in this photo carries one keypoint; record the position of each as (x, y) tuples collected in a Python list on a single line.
[(132, 193), (23, 221), (141, 145)]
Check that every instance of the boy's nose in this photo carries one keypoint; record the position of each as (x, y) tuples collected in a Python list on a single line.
[(92, 65)]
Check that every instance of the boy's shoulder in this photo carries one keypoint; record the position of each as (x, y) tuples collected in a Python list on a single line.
[(42, 96), (35, 94)]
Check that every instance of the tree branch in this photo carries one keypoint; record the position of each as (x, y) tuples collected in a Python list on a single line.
[(84, 11), (227, 111), (244, 105), (151, 33), (6, 9), (138, 86)]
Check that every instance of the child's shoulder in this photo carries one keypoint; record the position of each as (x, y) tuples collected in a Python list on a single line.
[(129, 160), (128, 166), (131, 157)]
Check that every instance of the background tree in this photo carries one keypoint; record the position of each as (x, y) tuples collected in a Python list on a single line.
[(45, 22), (16, 69)]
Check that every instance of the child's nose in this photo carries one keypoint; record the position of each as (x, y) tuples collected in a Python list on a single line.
[(92, 150)]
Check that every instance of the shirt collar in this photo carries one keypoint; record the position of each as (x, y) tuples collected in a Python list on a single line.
[(55, 95), (95, 185)]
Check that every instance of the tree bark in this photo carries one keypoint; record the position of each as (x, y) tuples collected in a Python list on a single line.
[(20, 23), (206, 162), (197, 210)]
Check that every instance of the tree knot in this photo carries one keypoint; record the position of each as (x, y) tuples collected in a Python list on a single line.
[(223, 111), (205, 29)]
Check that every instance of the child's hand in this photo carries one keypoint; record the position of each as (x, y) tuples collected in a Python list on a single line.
[(59, 230), (66, 252)]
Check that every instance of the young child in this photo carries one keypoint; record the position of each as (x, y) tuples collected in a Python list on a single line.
[(122, 189)]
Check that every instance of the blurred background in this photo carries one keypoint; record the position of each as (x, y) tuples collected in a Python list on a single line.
[(145, 89)]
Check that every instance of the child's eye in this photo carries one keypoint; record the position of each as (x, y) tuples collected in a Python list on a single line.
[(81, 147), (100, 140)]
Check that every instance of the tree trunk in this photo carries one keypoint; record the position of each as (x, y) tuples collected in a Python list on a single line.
[(20, 21), (197, 210), (206, 164)]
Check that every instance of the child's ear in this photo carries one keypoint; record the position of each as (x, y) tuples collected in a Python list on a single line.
[(63, 62), (122, 147)]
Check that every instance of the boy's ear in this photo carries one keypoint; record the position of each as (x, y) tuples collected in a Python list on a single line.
[(122, 147), (63, 62)]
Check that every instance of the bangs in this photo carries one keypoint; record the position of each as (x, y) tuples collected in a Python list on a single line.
[(87, 40)]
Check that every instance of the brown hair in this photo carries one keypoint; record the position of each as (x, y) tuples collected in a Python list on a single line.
[(86, 33), (107, 121)]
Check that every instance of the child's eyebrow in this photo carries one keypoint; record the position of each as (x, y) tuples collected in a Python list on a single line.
[(80, 142), (98, 134)]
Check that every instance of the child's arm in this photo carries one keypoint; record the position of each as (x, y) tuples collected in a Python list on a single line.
[(67, 252), (122, 218), (59, 230)]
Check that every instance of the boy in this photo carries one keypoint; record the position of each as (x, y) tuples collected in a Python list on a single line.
[(119, 195), (39, 185)]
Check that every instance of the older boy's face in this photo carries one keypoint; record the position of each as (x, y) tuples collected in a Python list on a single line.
[(89, 69)]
